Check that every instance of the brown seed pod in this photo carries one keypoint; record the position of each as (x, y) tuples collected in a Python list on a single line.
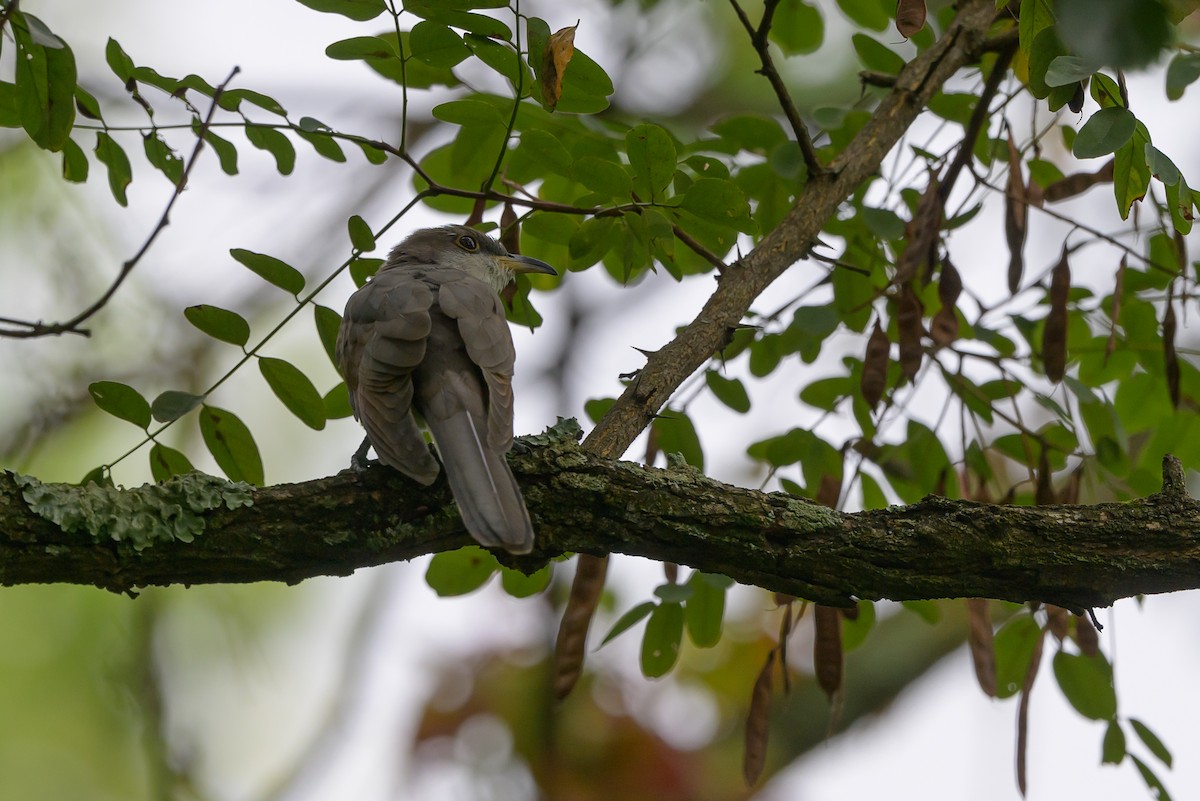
[(758, 723), (1058, 620), (827, 648), (910, 330), (1023, 712), (1170, 359), (1086, 636), (875, 365), (910, 17), (980, 638), (586, 590), (1077, 183), (921, 234), (1054, 334), (1016, 212)]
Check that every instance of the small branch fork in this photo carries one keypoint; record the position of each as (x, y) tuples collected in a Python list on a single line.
[(19, 329), (758, 37)]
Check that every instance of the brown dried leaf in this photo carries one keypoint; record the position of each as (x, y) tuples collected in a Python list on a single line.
[(1054, 334), (477, 210), (827, 648), (510, 231), (910, 330), (980, 639), (1016, 213), (586, 590), (1023, 712), (758, 723), (671, 572), (910, 17), (1086, 636), (560, 47), (875, 365), (1169, 356), (1077, 183)]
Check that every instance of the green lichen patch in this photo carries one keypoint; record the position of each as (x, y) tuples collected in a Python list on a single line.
[(141, 517), (567, 429)]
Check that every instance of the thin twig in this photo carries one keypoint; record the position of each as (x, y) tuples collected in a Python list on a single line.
[(37, 329), (758, 38)]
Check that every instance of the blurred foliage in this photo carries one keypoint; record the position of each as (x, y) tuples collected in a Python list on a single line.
[(1067, 388)]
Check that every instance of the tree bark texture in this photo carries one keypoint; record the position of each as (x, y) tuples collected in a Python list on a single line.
[(1074, 556)]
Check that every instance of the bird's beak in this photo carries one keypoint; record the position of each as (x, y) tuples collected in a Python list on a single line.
[(524, 264)]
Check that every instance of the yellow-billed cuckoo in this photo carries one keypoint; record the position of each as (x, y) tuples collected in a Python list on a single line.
[(428, 334)]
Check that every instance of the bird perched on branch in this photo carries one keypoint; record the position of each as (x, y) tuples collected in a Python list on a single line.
[(428, 334)]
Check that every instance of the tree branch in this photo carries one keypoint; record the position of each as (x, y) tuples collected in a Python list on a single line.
[(1072, 556)]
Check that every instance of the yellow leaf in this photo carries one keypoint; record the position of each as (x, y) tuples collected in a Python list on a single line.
[(559, 49)]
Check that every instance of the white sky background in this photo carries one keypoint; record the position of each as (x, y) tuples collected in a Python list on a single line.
[(941, 740)]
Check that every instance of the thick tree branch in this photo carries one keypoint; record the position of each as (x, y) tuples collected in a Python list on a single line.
[(1073, 556)]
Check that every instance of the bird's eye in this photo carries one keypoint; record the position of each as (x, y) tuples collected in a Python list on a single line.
[(467, 242)]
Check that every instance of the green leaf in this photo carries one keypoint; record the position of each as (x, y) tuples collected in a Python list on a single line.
[(166, 462), (1068, 71), (676, 434), (231, 445), (704, 611), (163, 158), (729, 391), (360, 10), (337, 402), (1106, 132), (720, 201), (468, 112), (797, 27), (519, 585), (277, 144), (1182, 72), (855, 629), (673, 593), (363, 268), (1087, 682), (328, 323), (226, 152), (120, 173), (1157, 789), (10, 112), (173, 404), (437, 45), (1131, 174), (459, 572), (361, 236), (603, 176), (1112, 751), (232, 99), (872, 14), (460, 17), (325, 145), (751, 133), (549, 150), (74, 163), (271, 270), (1119, 33), (1161, 167), (1181, 203), (118, 60), (876, 56), (296, 392), (661, 641), (219, 323), (363, 48), (1151, 741), (652, 156), (45, 83), (121, 400), (586, 86), (629, 620), (503, 60), (1014, 645), (929, 611), (591, 241)]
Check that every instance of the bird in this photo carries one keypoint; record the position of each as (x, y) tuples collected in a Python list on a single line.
[(427, 335)]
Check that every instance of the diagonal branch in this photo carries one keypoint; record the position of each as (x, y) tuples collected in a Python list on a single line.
[(26, 329)]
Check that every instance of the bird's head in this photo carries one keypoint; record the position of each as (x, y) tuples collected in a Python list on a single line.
[(469, 250)]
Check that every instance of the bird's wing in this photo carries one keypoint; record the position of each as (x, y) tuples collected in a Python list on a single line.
[(484, 330), (381, 342)]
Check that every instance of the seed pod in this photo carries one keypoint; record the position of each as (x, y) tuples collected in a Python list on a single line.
[(758, 723), (1044, 492), (875, 365), (921, 235), (1078, 182), (983, 655), (1058, 620), (586, 590), (1170, 359), (943, 328), (1023, 712), (1054, 334), (1015, 217), (1076, 101), (1086, 636), (827, 648), (510, 232), (910, 17), (910, 330)]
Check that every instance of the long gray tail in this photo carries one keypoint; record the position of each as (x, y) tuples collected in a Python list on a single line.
[(483, 485)]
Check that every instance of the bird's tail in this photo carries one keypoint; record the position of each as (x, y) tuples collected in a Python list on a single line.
[(488, 497)]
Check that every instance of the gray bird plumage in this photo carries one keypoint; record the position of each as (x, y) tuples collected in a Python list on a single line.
[(428, 334)]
